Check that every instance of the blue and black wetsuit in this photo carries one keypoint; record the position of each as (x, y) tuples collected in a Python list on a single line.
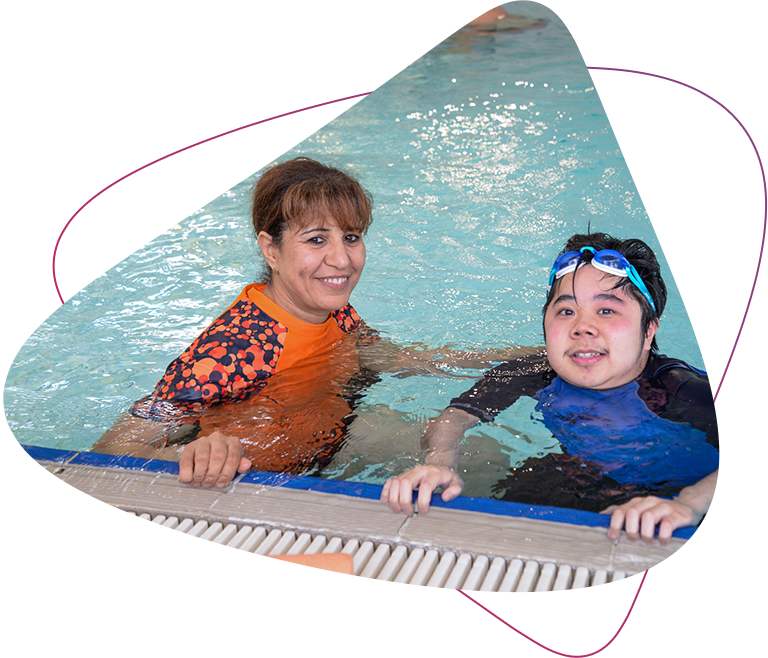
[(656, 434), (224, 31)]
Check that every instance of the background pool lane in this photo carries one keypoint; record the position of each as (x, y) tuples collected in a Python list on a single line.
[(483, 152)]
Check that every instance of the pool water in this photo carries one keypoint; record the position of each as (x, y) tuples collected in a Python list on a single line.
[(483, 157)]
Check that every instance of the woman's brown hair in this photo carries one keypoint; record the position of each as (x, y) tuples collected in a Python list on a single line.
[(296, 192)]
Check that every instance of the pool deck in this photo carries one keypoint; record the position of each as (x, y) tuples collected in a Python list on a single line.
[(352, 510)]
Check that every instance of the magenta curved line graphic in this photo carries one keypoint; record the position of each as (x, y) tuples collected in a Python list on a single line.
[(656, 75), (640, 589), (662, 77), (181, 150)]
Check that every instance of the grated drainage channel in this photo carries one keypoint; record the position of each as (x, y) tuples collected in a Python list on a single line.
[(40, 531)]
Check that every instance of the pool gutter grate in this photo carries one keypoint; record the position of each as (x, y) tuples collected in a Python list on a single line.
[(42, 531)]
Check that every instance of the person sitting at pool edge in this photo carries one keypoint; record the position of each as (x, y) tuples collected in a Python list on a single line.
[(240, 29), (315, 11), (644, 420), (473, 12), (487, 14)]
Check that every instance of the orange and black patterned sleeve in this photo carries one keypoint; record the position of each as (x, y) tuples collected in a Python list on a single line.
[(229, 361), (349, 321)]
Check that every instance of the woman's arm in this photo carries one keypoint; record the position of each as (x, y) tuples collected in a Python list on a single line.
[(385, 356), (440, 442), (640, 516), (207, 461), (137, 437)]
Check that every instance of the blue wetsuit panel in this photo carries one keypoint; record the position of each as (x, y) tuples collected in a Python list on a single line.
[(631, 443), (658, 432), (224, 31)]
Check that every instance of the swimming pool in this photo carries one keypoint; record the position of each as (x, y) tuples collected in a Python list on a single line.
[(483, 156)]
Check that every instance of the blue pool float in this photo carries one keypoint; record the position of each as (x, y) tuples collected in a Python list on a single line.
[(291, 36)]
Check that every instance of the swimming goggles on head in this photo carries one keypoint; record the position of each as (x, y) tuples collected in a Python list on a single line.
[(605, 260)]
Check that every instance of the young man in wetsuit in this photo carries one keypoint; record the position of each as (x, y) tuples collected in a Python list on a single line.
[(643, 421)]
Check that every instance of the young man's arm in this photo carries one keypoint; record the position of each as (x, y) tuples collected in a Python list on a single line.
[(440, 440), (498, 389), (640, 516), (383, 355)]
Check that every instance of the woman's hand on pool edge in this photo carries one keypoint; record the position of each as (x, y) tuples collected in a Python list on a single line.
[(212, 460), (398, 491)]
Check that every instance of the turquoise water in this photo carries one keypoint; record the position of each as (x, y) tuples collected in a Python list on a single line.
[(482, 157)]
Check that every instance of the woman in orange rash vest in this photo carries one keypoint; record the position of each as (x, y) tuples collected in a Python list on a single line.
[(284, 350), (268, 384)]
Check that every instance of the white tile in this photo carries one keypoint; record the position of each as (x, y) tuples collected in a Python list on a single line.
[(101, 39), (31, 76), (13, 80), (52, 55), (116, 37), (70, 51), (84, 32), (131, 32)]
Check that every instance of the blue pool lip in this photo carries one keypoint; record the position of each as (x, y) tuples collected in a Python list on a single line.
[(344, 487)]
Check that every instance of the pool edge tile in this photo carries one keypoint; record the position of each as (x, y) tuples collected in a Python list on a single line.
[(361, 490)]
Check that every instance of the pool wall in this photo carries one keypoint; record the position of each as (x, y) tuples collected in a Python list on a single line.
[(346, 488), (100, 32)]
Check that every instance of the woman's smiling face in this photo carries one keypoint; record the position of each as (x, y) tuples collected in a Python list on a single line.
[(594, 340), (315, 268)]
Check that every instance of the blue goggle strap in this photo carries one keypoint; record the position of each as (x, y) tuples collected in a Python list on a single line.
[(634, 277), (566, 263)]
